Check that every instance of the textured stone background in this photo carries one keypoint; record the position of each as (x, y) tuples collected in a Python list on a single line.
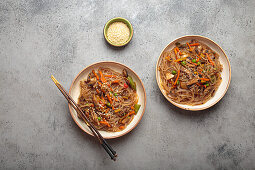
[(43, 37)]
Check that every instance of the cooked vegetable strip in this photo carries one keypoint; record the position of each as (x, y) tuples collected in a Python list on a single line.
[(93, 71), (210, 59), (168, 58), (180, 59), (175, 51), (178, 74), (102, 76), (105, 123), (98, 92), (121, 127), (205, 79), (109, 98), (107, 110), (100, 83), (189, 46), (130, 113), (131, 83), (110, 76), (195, 44), (117, 110), (115, 81), (137, 107)]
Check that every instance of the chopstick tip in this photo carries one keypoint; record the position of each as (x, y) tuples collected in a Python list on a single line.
[(55, 80)]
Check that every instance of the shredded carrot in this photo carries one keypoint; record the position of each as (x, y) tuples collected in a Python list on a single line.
[(102, 76), (110, 100), (105, 123), (109, 87), (200, 84), (189, 46), (100, 83), (132, 107), (175, 51), (121, 127), (92, 105), (167, 58), (110, 76), (98, 91), (178, 50), (180, 59), (177, 77), (195, 44), (117, 110), (200, 71), (107, 110), (130, 113), (210, 59), (194, 63), (115, 81), (93, 71), (205, 79)]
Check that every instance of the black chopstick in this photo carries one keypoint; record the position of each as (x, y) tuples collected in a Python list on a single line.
[(95, 132)]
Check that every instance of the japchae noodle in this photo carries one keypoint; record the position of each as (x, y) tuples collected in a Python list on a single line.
[(190, 73), (109, 99)]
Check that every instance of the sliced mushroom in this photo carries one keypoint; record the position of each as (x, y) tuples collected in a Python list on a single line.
[(184, 56), (169, 76), (125, 120), (183, 69), (91, 81), (89, 77), (193, 81), (125, 73), (183, 85)]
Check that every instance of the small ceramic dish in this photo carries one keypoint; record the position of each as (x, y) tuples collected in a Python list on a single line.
[(225, 74), (75, 92), (118, 19)]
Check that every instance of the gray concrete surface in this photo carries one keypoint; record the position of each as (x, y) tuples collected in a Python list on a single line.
[(40, 38)]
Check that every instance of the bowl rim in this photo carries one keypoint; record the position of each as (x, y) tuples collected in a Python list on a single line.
[(114, 20), (158, 76), (107, 62)]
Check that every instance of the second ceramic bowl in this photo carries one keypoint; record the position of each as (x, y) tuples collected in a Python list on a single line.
[(225, 74)]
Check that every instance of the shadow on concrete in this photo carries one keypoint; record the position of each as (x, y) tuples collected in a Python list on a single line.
[(115, 48), (187, 113)]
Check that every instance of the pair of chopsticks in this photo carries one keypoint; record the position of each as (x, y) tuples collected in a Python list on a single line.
[(95, 132)]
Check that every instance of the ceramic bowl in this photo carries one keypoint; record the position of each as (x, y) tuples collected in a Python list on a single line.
[(118, 19), (225, 74), (75, 92)]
